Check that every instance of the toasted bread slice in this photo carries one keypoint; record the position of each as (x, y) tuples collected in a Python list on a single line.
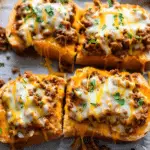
[(51, 27), (32, 105), (115, 37), (108, 105)]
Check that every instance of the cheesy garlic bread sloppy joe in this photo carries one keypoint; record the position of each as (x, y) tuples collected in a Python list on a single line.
[(51, 27), (32, 109), (115, 35), (110, 105)]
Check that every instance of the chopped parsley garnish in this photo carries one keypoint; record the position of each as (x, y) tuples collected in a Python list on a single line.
[(121, 19), (21, 105), (2, 64), (38, 19), (140, 102), (38, 13), (84, 105), (92, 85), (63, 1), (117, 28), (104, 27), (110, 3), (27, 8), (138, 37), (92, 41), (41, 103), (96, 21), (10, 35), (118, 98), (49, 10), (24, 80), (130, 35), (89, 9), (60, 26), (115, 16), (93, 104), (0, 131)]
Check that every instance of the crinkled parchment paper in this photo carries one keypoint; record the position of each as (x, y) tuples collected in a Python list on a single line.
[(34, 63)]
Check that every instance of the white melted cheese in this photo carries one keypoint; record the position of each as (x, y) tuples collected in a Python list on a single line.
[(108, 22), (101, 100), (52, 22), (22, 110)]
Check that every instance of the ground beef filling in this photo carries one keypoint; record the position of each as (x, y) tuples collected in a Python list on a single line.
[(65, 34), (112, 117)]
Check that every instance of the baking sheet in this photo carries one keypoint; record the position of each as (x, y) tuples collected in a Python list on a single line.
[(34, 63)]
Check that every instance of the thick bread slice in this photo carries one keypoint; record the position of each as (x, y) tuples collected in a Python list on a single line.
[(115, 37), (107, 105), (15, 41), (33, 109), (132, 63), (51, 28)]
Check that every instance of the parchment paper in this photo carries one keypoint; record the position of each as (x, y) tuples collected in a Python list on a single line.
[(34, 63)]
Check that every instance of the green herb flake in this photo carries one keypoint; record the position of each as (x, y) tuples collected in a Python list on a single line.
[(27, 8), (38, 19), (41, 103), (110, 3), (130, 35), (21, 105), (63, 1), (117, 97), (138, 37), (92, 41), (38, 14), (104, 27), (84, 105), (92, 85), (61, 26), (10, 35), (115, 16), (49, 10), (96, 21), (117, 28), (140, 102), (93, 104), (90, 9), (2, 64), (121, 17), (0, 131), (24, 80), (121, 102)]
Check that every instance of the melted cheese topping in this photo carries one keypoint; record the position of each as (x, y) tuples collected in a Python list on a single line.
[(108, 99), (44, 17), (28, 104), (114, 21)]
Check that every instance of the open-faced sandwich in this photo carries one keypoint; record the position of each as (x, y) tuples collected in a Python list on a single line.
[(51, 27), (109, 105), (31, 109), (115, 35)]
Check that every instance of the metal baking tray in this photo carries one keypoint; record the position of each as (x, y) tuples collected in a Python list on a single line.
[(33, 62)]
